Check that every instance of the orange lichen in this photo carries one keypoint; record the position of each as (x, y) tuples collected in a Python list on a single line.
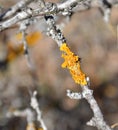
[(14, 51), (31, 126), (31, 39), (72, 62), (40, 128)]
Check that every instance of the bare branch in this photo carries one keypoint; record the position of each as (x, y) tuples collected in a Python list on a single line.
[(65, 8), (15, 8), (20, 16), (97, 120), (66, 4), (73, 95), (34, 104), (27, 113), (53, 31)]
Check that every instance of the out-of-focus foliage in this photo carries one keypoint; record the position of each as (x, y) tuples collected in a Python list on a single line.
[(15, 50)]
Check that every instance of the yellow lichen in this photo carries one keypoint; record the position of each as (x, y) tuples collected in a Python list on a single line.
[(14, 51), (31, 126), (40, 128), (72, 62), (32, 39)]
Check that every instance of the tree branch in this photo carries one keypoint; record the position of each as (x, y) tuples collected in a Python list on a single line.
[(18, 12), (34, 104), (12, 10)]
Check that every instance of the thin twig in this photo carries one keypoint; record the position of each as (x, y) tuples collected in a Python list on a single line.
[(16, 8), (27, 113), (35, 105)]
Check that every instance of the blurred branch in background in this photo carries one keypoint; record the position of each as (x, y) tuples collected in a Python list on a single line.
[(35, 105), (29, 114)]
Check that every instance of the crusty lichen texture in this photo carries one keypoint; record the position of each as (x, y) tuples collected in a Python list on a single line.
[(72, 62)]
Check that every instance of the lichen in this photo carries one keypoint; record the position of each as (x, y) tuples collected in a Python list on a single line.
[(72, 62)]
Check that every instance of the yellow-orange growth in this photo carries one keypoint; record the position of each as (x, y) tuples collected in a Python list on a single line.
[(72, 62), (14, 51), (31, 126)]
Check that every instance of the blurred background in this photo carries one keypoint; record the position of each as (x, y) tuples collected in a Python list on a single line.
[(89, 37)]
